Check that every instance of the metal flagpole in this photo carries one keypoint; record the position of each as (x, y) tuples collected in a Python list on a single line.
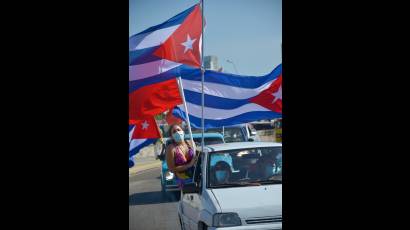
[(202, 77), (181, 90)]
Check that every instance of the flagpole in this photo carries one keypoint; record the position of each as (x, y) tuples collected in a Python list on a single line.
[(202, 78), (181, 90)]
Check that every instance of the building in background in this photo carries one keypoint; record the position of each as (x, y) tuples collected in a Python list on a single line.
[(211, 63)]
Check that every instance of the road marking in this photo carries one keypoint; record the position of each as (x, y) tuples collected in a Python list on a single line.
[(139, 168), (143, 171)]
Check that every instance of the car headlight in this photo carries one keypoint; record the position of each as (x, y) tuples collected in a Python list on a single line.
[(226, 220), (169, 175)]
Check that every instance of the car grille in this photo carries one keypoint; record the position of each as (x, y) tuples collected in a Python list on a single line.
[(264, 220)]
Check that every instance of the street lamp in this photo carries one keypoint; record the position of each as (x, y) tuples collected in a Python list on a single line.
[(234, 66)]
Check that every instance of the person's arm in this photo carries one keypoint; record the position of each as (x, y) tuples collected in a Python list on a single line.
[(196, 153), (171, 162), (192, 144)]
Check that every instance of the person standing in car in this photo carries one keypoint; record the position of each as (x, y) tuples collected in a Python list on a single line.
[(180, 155)]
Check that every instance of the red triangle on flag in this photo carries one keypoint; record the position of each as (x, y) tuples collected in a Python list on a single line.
[(183, 46), (271, 98), (145, 128)]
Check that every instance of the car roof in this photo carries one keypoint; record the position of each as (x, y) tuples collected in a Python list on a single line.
[(240, 145), (196, 135)]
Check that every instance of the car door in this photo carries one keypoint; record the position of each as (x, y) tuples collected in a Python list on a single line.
[(191, 202)]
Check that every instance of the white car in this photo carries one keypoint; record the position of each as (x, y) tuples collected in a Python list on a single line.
[(236, 186)]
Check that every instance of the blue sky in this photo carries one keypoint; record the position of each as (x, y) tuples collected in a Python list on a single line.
[(248, 32)]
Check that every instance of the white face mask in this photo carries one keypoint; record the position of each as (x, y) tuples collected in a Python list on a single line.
[(178, 136)]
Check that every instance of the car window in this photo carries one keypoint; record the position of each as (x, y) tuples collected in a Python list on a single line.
[(234, 134), (254, 165)]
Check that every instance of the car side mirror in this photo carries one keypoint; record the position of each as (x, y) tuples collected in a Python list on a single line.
[(251, 139), (190, 188), (161, 157)]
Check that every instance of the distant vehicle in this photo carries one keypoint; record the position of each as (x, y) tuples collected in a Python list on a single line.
[(278, 130), (250, 197), (235, 133), (168, 181), (262, 125)]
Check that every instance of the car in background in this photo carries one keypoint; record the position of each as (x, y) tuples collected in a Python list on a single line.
[(232, 133), (168, 180), (251, 197), (236, 133), (278, 130), (263, 125)]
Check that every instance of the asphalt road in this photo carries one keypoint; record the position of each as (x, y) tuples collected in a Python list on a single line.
[(148, 209)]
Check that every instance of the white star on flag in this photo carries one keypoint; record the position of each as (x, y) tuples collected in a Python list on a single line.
[(277, 94), (188, 43), (145, 125)]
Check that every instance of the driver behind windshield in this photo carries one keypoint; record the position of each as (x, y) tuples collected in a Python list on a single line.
[(263, 169), (221, 173)]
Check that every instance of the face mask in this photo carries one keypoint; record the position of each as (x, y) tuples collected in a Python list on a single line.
[(178, 136), (220, 175), (269, 171)]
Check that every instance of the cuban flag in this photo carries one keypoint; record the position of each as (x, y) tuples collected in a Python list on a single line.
[(141, 134), (232, 99), (157, 56)]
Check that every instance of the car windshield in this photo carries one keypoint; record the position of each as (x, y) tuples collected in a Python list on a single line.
[(245, 167)]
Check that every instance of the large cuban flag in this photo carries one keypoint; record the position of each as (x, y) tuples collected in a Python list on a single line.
[(232, 99), (157, 56)]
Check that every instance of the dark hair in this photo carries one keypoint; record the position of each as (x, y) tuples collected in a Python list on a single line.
[(222, 165), (218, 166), (172, 139), (170, 129)]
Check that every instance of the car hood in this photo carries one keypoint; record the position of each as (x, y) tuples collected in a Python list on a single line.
[(251, 201)]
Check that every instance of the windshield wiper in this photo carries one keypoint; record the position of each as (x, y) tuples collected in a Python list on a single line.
[(237, 184), (270, 181)]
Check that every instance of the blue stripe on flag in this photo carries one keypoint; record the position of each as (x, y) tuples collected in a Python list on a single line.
[(242, 118), (137, 57), (249, 82), (176, 20), (135, 150), (130, 163)]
